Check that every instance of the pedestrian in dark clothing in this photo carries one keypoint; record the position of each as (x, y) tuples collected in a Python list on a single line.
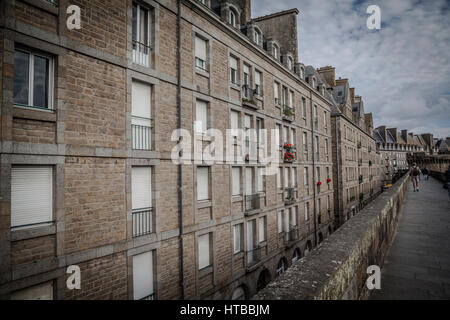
[(426, 173)]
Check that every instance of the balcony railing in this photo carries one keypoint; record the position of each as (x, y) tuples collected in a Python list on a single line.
[(289, 196), (150, 297), (141, 53), (253, 256), (252, 202), (141, 130), (288, 113), (142, 222), (248, 96)]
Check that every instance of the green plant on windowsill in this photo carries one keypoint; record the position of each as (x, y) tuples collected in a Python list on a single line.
[(287, 112), (245, 100)]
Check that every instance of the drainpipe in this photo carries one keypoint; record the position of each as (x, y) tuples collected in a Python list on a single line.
[(180, 150), (314, 167)]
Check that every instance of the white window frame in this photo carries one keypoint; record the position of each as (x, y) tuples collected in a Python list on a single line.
[(50, 98), (149, 19)]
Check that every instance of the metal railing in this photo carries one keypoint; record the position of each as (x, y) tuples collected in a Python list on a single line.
[(252, 202), (253, 256), (289, 196), (141, 53), (142, 220), (247, 95), (141, 134), (150, 297)]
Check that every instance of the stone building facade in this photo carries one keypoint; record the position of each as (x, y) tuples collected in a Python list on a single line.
[(87, 176), (357, 169)]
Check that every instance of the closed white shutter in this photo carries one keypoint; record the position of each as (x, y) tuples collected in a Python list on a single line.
[(142, 275), (280, 136), (247, 121), (237, 238), (250, 231), (293, 137), (43, 291), (200, 48), (260, 179), (249, 181), (203, 251), (31, 195), (305, 176), (258, 78), (246, 69), (233, 63), (202, 183), (285, 135), (275, 90), (140, 100), (291, 99), (286, 177), (236, 181), (294, 177), (234, 123), (286, 216), (294, 216), (201, 112), (280, 221), (141, 187), (279, 178), (262, 229), (306, 211)]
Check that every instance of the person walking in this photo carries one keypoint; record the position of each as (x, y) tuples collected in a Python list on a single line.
[(426, 173), (414, 174), (447, 178)]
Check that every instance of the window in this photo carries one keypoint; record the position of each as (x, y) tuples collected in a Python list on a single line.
[(275, 51), (200, 53), (33, 79), (236, 181), (232, 18), (249, 181), (202, 183), (237, 236), (302, 72), (305, 176), (294, 177), (234, 122), (233, 70), (201, 114), (289, 63), (293, 216), (280, 221), (305, 142), (260, 179), (286, 177), (257, 37), (262, 229), (317, 147), (275, 92), (318, 174), (141, 187), (204, 259), (246, 81), (279, 178), (141, 115), (31, 195), (143, 276), (258, 77), (43, 291), (141, 35), (306, 211), (291, 99), (304, 108)]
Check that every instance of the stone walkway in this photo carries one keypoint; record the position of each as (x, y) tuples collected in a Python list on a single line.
[(418, 263)]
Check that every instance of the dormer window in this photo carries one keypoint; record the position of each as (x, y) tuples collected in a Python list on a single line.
[(275, 51), (289, 63), (232, 18), (257, 37), (302, 72), (314, 82)]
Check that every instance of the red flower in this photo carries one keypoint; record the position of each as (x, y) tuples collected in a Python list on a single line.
[(328, 180), (319, 183)]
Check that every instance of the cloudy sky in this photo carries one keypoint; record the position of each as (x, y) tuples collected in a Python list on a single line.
[(402, 71)]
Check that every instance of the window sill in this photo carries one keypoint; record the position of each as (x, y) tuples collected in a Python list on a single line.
[(44, 5), (203, 73), (205, 271), (34, 113), (235, 86), (236, 198), (24, 233), (204, 204)]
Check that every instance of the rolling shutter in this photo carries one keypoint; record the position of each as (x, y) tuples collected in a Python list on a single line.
[(249, 181), (203, 251), (236, 181), (143, 275), (200, 48), (31, 195), (201, 111), (141, 188), (202, 183), (140, 100)]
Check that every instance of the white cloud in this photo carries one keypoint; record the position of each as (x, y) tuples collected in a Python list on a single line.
[(401, 71)]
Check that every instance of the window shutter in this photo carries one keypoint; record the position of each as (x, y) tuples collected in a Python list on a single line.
[(142, 275), (291, 99), (246, 69), (141, 188), (250, 231), (233, 63), (294, 177), (201, 111), (262, 229), (203, 251), (237, 238), (31, 195), (234, 120), (260, 179), (279, 178), (280, 221), (294, 216), (249, 181), (140, 100), (200, 48), (275, 90), (247, 121), (305, 176), (258, 78), (202, 183), (286, 177), (236, 181), (286, 217)]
